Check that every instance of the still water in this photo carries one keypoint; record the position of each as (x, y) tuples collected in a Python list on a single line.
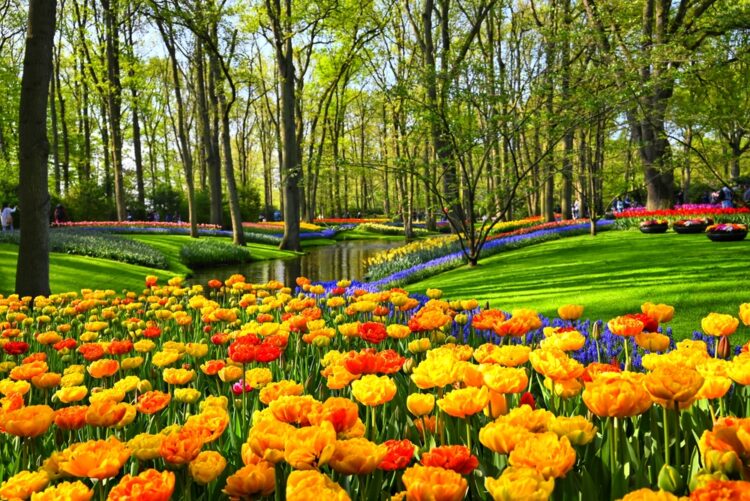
[(342, 260)]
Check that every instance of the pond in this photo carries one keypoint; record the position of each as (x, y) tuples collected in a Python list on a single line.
[(342, 260)]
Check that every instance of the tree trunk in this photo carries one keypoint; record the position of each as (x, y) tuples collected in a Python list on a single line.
[(114, 102), (32, 270), (290, 167), (211, 160), (182, 134)]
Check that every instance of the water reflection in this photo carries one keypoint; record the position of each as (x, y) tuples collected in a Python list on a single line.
[(330, 262)]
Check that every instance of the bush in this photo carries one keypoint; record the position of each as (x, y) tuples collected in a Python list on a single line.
[(100, 245), (210, 252), (87, 201)]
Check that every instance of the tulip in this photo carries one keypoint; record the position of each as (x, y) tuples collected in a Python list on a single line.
[(149, 484), (432, 482), (206, 467), (520, 484)]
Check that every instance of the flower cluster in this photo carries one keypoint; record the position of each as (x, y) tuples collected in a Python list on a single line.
[(254, 389)]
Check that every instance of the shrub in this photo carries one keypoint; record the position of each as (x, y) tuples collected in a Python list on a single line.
[(210, 252)]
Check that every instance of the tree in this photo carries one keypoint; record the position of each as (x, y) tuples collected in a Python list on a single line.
[(32, 271)]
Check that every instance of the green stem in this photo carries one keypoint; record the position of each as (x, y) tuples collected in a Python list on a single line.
[(677, 435), (666, 435), (468, 434), (627, 355)]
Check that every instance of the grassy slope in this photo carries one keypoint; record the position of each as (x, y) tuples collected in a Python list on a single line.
[(70, 273), (171, 245), (612, 274)]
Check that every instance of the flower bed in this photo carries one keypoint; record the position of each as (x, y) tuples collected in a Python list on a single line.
[(257, 390), (417, 260), (633, 217)]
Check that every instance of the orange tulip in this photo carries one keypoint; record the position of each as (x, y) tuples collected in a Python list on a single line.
[(670, 383), (71, 418), (29, 421), (374, 390), (745, 313), (555, 364), (105, 413), (433, 482), (256, 479), (520, 483), (342, 413), (625, 326), (26, 372), (551, 456), (420, 404), (718, 324), (272, 391), (295, 409), (617, 394), (311, 447), (301, 484), (102, 368), (151, 485), (509, 355), (152, 402), (267, 437), (652, 341), (570, 311), (23, 484), (357, 456), (183, 446), (503, 437), (661, 313), (98, 459), (464, 402), (65, 491), (206, 467)]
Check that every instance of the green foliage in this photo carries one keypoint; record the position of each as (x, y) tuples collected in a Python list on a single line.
[(99, 245), (87, 201), (210, 252), (167, 200), (250, 204)]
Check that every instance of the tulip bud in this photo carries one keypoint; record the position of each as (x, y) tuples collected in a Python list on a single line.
[(596, 331), (408, 366), (144, 385), (724, 349), (669, 479), (461, 319), (450, 339)]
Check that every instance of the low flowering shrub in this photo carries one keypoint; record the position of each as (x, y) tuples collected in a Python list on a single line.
[(268, 391), (210, 252), (389, 230), (100, 245)]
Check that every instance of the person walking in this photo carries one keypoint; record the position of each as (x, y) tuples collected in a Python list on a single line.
[(6, 216)]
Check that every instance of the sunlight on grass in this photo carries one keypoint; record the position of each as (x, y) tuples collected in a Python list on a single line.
[(611, 274)]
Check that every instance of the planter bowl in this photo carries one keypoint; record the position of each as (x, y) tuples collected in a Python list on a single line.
[(727, 236), (654, 228), (693, 228)]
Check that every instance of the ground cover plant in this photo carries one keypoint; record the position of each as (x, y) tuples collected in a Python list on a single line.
[(260, 391)]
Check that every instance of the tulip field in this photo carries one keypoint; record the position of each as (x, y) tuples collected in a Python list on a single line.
[(309, 391)]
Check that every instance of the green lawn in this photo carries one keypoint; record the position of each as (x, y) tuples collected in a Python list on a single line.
[(170, 246), (71, 273), (612, 274)]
